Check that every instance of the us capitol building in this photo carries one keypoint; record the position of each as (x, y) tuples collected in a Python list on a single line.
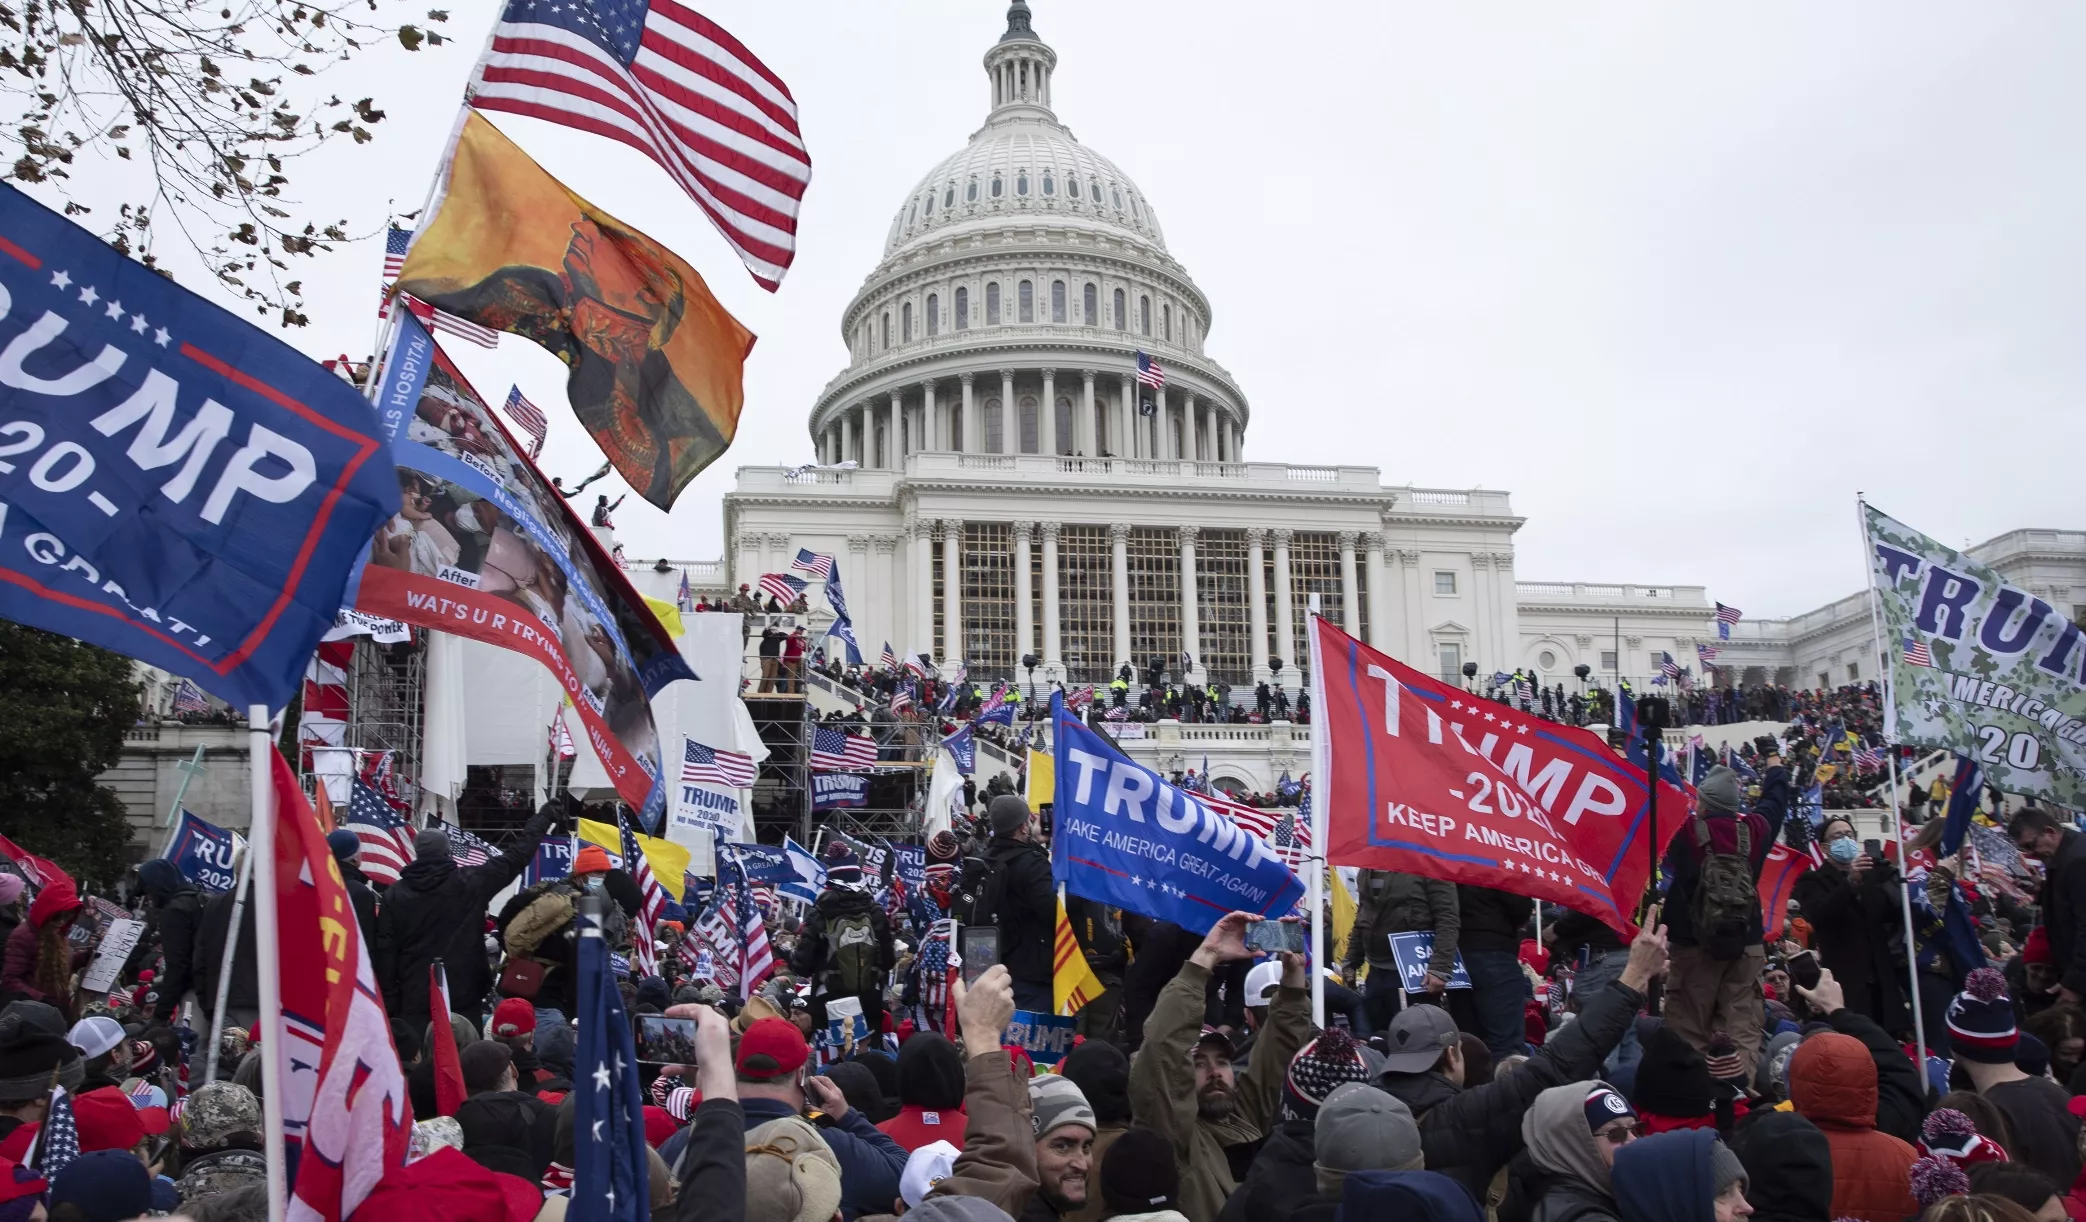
[(996, 482)]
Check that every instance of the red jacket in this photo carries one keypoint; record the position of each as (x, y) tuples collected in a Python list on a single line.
[(915, 1126), (1832, 1083)]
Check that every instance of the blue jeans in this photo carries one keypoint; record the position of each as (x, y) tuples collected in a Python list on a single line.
[(1498, 997)]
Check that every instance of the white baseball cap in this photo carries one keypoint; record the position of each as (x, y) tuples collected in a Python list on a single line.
[(1262, 981), (928, 1166), (95, 1036)]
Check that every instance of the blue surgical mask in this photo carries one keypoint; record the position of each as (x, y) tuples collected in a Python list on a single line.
[(1844, 850)]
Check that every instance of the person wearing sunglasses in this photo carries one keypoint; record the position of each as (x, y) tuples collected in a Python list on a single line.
[(1573, 1132)]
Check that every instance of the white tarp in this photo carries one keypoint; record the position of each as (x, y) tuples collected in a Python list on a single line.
[(509, 699), (708, 710), (443, 754)]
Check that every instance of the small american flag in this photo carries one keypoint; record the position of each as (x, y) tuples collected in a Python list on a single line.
[(387, 842), (888, 660), (815, 565), (1869, 759), (467, 849), (838, 751), (1726, 616), (1268, 824), (684, 595), (1668, 668), (1707, 654), (644, 954), (1917, 653), (1148, 371), (58, 1141), (902, 699), (781, 587), (756, 956), (529, 417), (396, 243), (703, 765), (188, 698)]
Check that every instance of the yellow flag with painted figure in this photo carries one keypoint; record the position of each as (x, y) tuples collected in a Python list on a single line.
[(1073, 982)]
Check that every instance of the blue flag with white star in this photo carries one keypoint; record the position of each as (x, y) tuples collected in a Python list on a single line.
[(610, 1178), (176, 484), (1124, 836)]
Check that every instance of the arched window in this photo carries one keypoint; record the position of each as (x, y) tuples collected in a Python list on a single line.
[(992, 304), (1094, 188), (1119, 323), (996, 187), (970, 193), (1057, 301), (1118, 194), (1166, 323), (934, 313), (887, 328), (1021, 183), (912, 216), (949, 197), (1063, 424), (905, 322), (1072, 185), (1049, 184), (1136, 208), (1092, 315), (1026, 293), (1031, 425), (1144, 315), (995, 430), (930, 203), (963, 309)]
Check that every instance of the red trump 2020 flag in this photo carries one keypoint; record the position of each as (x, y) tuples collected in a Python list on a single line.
[(1425, 778)]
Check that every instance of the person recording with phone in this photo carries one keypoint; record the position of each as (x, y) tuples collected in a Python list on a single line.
[(1853, 905)]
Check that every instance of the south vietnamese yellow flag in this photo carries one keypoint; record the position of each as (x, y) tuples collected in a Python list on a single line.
[(1073, 983), (1042, 786), (669, 861)]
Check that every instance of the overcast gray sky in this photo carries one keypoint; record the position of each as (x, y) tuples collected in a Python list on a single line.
[(1681, 280)]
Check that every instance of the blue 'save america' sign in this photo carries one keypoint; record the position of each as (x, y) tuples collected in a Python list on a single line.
[(1126, 837), (175, 484)]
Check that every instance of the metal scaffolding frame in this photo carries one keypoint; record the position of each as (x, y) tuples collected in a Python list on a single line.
[(386, 684)]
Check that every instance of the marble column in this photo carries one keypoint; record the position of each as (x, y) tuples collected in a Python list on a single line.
[(1047, 439), (973, 435), (1130, 439), (1083, 438), (921, 639), (1213, 450), (1415, 624), (847, 433), (1350, 600), (1285, 615), (1256, 604), (1238, 443), (1119, 572), (883, 610), (1191, 447), (1162, 436), (1506, 607), (1379, 605), (952, 592), (934, 430), (1010, 420), (894, 433), (1053, 651), (1024, 593), (1191, 602)]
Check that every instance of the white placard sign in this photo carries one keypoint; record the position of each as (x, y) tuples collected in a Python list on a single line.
[(109, 958)]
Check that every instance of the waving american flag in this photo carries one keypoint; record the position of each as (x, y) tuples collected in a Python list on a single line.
[(703, 765)]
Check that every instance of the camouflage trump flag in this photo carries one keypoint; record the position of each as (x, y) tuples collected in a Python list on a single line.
[(656, 362), (1979, 666)]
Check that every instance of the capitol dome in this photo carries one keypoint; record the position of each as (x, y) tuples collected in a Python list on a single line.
[(1026, 304)]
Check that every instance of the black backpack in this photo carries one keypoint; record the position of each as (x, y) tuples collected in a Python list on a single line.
[(976, 898)]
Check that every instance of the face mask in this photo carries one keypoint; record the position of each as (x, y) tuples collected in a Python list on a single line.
[(1844, 850)]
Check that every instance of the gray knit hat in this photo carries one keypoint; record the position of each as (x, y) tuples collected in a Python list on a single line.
[(1719, 789), (1724, 1168), (1058, 1101), (1006, 814)]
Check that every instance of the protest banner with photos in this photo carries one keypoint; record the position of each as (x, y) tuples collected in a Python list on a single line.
[(1412, 952), (1978, 665), (1126, 836), (176, 484), (1406, 772), (206, 854), (484, 548)]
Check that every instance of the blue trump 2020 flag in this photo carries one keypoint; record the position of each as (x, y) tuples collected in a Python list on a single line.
[(204, 853), (176, 484), (1124, 836), (610, 1182)]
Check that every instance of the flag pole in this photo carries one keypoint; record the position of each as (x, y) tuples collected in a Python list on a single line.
[(1897, 831), (224, 971), (267, 956), (1320, 860)]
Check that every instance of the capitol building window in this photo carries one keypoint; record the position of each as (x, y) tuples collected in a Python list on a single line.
[(1027, 295), (1057, 301), (992, 304), (963, 309)]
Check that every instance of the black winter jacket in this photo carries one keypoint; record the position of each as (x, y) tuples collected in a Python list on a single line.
[(712, 1167), (1027, 908), (211, 930), (1469, 1135), (180, 920), (1492, 920), (2064, 909), (1788, 1167), (1282, 1175), (436, 910), (364, 897), (814, 954)]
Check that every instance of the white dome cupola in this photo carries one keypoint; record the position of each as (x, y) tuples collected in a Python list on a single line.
[(1019, 66)]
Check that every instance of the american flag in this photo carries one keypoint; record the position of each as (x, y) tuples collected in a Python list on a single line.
[(188, 698), (467, 849), (644, 954), (708, 766), (888, 660), (815, 565), (962, 675), (839, 751), (684, 596), (781, 587), (1726, 616), (387, 841), (561, 736), (902, 699), (1077, 701), (715, 931), (1269, 823), (396, 243), (1668, 668), (381, 771), (1869, 759), (1707, 654), (673, 85), (1917, 653), (529, 417), (57, 1143), (756, 957), (1148, 371)]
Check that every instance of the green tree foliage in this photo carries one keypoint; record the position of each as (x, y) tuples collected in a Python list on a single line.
[(63, 709)]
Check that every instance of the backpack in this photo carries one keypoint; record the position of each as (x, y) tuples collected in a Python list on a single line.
[(852, 946), (1726, 898), (976, 899)]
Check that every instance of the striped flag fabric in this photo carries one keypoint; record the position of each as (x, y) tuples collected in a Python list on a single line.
[(449, 1070), (816, 565), (701, 765), (387, 841), (467, 849), (561, 736), (1707, 654), (888, 660), (1726, 616), (840, 751), (1148, 371), (755, 955), (672, 84), (644, 953), (1268, 824), (57, 1141), (530, 417), (902, 699), (1073, 983), (781, 587), (1917, 653), (396, 242), (1668, 668)]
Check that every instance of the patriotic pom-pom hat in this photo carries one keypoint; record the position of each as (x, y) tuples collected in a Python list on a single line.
[(1981, 1019), (1935, 1178), (1948, 1133)]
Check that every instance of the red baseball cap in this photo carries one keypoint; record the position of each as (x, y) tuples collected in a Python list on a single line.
[(771, 1048), (513, 1016), (108, 1120)]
